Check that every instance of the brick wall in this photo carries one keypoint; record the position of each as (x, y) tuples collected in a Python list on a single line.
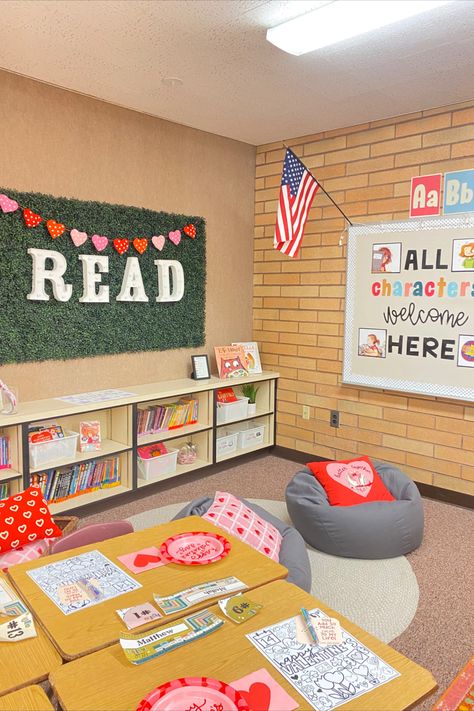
[(299, 303)]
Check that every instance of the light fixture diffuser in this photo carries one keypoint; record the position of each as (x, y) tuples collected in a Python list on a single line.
[(341, 19)]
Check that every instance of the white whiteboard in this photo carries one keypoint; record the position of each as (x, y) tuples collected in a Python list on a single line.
[(409, 321)]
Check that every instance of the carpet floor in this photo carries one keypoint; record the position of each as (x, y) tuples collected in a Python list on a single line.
[(441, 633)]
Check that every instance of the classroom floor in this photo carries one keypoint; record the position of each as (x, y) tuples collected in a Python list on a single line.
[(441, 633)]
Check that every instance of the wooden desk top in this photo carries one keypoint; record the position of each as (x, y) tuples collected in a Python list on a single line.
[(26, 662), (106, 681), (31, 698), (98, 626)]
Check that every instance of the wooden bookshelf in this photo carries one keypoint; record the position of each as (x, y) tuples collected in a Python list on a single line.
[(118, 419)]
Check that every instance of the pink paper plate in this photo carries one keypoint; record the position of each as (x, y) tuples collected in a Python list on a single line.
[(195, 548), (191, 693)]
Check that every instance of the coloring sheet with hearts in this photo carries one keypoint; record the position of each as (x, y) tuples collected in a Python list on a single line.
[(325, 676), (81, 581)]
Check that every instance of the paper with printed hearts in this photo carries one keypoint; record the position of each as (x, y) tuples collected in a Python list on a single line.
[(262, 693), (144, 559), (325, 677)]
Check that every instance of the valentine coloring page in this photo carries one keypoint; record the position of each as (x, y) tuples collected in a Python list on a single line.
[(81, 581), (325, 676)]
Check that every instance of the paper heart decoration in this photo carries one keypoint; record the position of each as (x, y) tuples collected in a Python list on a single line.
[(175, 237), (54, 228), (158, 241), (121, 245), (99, 242), (190, 230), (143, 559), (140, 244), (356, 476), (7, 204), (78, 238), (31, 218), (258, 696)]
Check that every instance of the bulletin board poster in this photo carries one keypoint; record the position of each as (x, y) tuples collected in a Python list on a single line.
[(409, 317)]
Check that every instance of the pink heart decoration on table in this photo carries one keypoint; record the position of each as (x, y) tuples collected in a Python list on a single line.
[(99, 242), (78, 238), (7, 204), (158, 241), (175, 237), (258, 696), (356, 476), (144, 559)]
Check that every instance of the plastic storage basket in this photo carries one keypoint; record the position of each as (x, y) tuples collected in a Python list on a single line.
[(251, 435), (232, 411), (44, 452), (226, 443), (157, 467)]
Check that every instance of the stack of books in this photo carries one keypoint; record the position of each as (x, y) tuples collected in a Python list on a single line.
[(158, 418), (60, 484), (4, 491), (5, 452)]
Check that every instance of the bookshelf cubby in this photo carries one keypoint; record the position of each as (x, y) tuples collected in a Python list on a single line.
[(118, 419)]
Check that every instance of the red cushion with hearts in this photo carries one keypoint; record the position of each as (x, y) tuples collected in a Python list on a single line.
[(25, 518), (350, 482), (229, 513)]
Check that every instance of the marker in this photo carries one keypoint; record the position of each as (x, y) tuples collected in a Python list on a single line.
[(307, 620)]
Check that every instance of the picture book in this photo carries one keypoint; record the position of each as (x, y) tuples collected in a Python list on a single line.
[(225, 395), (253, 356), (89, 436), (231, 361)]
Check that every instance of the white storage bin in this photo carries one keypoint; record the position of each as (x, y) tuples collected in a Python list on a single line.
[(251, 435), (155, 467), (226, 443), (232, 411), (44, 452)]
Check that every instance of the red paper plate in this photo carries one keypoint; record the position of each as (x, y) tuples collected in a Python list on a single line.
[(195, 548), (192, 693)]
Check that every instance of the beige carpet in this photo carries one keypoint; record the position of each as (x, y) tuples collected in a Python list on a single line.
[(441, 635)]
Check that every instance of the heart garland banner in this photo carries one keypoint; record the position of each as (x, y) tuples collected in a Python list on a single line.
[(100, 242)]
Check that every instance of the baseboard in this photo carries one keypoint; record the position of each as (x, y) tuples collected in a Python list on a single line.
[(429, 491)]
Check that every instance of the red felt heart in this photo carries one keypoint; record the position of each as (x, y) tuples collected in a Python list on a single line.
[(142, 560), (31, 218), (190, 230), (121, 245), (55, 229), (258, 696), (140, 244)]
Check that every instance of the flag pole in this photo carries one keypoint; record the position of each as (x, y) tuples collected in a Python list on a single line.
[(321, 186)]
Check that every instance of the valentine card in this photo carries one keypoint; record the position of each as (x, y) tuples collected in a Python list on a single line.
[(146, 559), (263, 693)]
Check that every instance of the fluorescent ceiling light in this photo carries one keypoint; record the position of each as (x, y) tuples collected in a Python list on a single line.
[(338, 20)]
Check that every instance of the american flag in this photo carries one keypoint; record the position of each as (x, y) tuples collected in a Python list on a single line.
[(298, 188)]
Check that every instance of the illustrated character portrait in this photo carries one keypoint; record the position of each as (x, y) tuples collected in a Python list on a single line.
[(233, 368), (372, 347), (467, 252), (385, 258)]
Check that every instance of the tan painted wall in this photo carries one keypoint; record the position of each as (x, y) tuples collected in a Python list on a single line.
[(299, 304), (58, 142)]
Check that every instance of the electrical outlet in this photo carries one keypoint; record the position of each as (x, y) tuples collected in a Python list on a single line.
[(305, 412), (334, 418)]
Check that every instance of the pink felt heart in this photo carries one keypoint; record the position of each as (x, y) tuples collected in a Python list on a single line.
[(356, 476), (78, 238), (99, 242), (158, 241), (7, 204), (175, 237)]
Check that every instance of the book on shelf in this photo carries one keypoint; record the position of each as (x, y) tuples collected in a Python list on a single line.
[(225, 395), (168, 416), (82, 478), (44, 432), (253, 356), (4, 490), (5, 452), (231, 361)]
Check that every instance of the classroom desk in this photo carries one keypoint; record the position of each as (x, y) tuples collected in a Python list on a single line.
[(106, 681), (99, 625), (30, 698), (26, 662)]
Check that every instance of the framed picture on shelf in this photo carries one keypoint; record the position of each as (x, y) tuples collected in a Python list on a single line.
[(201, 369), (253, 356)]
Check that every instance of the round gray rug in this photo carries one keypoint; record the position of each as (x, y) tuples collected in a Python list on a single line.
[(381, 596)]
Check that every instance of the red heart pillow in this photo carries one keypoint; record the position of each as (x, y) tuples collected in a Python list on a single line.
[(350, 482), (25, 518)]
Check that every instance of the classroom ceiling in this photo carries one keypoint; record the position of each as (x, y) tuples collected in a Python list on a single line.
[(235, 83)]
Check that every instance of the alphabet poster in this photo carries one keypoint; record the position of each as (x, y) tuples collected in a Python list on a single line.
[(409, 322), (325, 676)]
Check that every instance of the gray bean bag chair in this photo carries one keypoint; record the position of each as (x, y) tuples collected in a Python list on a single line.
[(378, 529), (293, 553)]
